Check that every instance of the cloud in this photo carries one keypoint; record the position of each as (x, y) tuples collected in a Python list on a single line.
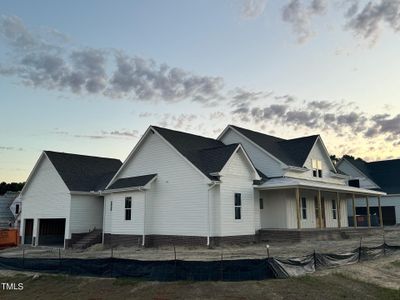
[(368, 22), (385, 125), (8, 148), (146, 80), (253, 8), (299, 17), (123, 133), (37, 60)]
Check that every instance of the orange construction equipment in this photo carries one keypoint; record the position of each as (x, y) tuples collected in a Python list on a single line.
[(8, 238)]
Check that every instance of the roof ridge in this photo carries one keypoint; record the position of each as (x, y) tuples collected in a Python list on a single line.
[(301, 137), (82, 155), (183, 132), (219, 147), (259, 132)]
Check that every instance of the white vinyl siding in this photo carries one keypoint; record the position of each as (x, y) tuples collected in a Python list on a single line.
[(86, 213), (237, 177), (317, 153), (46, 196), (354, 173), (115, 222), (264, 162), (176, 202)]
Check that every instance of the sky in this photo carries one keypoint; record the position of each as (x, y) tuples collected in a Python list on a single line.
[(89, 77)]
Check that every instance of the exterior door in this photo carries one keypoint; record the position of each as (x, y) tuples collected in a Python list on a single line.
[(318, 223), (28, 231)]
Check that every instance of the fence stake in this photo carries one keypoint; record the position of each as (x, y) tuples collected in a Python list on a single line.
[(222, 266), (359, 250), (112, 261), (59, 257), (23, 257), (315, 261), (175, 262), (267, 250), (384, 243)]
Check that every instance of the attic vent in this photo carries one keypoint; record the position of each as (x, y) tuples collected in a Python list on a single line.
[(354, 182)]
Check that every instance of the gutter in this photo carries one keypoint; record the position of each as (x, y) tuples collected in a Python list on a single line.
[(214, 183)]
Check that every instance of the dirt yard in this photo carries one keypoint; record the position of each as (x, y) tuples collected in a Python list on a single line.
[(375, 279), (281, 250), (350, 282)]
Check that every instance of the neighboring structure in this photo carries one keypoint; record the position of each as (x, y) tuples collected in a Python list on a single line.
[(61, 198), (380, 176), (16, 209), (176, 187), (6, 216)]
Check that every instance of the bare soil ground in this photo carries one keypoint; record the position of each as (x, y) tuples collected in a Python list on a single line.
[(339, 283), (375, 279), (281, 250)]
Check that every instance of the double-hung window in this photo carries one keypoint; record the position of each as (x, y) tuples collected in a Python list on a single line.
[(128, 208), (334, 209), (238, 206), (304, 208), (316, 168)]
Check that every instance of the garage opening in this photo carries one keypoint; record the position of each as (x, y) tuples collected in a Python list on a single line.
[(389, 215), (51, 232), (28, 231)]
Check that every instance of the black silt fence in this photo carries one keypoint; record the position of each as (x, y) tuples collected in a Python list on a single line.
[(171, 270)]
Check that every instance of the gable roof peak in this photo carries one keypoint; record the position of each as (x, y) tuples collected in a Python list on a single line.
[(292, 152)]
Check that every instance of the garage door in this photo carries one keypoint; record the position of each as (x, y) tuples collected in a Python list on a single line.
[(51, 232), (389, 215)]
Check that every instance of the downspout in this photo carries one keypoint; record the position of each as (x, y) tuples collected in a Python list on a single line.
[(144, 217), (208, 213)]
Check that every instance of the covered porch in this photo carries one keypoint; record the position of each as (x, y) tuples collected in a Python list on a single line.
[(299, 204)]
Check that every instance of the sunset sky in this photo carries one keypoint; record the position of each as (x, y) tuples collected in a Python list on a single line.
[(89, 77)]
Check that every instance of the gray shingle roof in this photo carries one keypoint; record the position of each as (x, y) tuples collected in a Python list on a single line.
[(84, 173), (293, 152), (385, 173), (206, 154), (131, 182)]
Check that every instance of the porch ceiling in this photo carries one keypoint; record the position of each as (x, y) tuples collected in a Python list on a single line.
[(286, 183)]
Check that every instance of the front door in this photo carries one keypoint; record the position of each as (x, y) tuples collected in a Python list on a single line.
[(318, 223)]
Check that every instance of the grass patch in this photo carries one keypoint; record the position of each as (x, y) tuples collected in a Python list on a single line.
[(327, 287), (396, 263)]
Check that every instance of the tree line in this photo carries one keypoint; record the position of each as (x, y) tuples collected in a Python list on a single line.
[(11, 187)]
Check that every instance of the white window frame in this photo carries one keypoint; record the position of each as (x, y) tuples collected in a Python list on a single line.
[(316, 166), (334, 209), (238, 206), (126, 209), (303, 208)]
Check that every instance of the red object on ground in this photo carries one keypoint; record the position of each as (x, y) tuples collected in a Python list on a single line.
[(8, 238)]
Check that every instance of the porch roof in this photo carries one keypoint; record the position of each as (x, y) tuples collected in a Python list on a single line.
[(288, 182)]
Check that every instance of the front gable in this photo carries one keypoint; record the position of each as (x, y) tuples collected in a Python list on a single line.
[(239, 165), (44, 176), (45, 193), (262, 160), (154, 155)]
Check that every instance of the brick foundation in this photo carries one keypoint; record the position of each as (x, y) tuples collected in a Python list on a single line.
[(178, 240)]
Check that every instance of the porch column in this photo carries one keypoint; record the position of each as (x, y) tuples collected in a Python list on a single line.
[(298, 208), (338, 209), (319, 209), (368, 214), (380, 212), (354, 211)]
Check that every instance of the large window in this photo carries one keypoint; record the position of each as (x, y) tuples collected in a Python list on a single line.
[(238, 206), (334, 209), (304, 208), (128, 208), (316, 168)]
